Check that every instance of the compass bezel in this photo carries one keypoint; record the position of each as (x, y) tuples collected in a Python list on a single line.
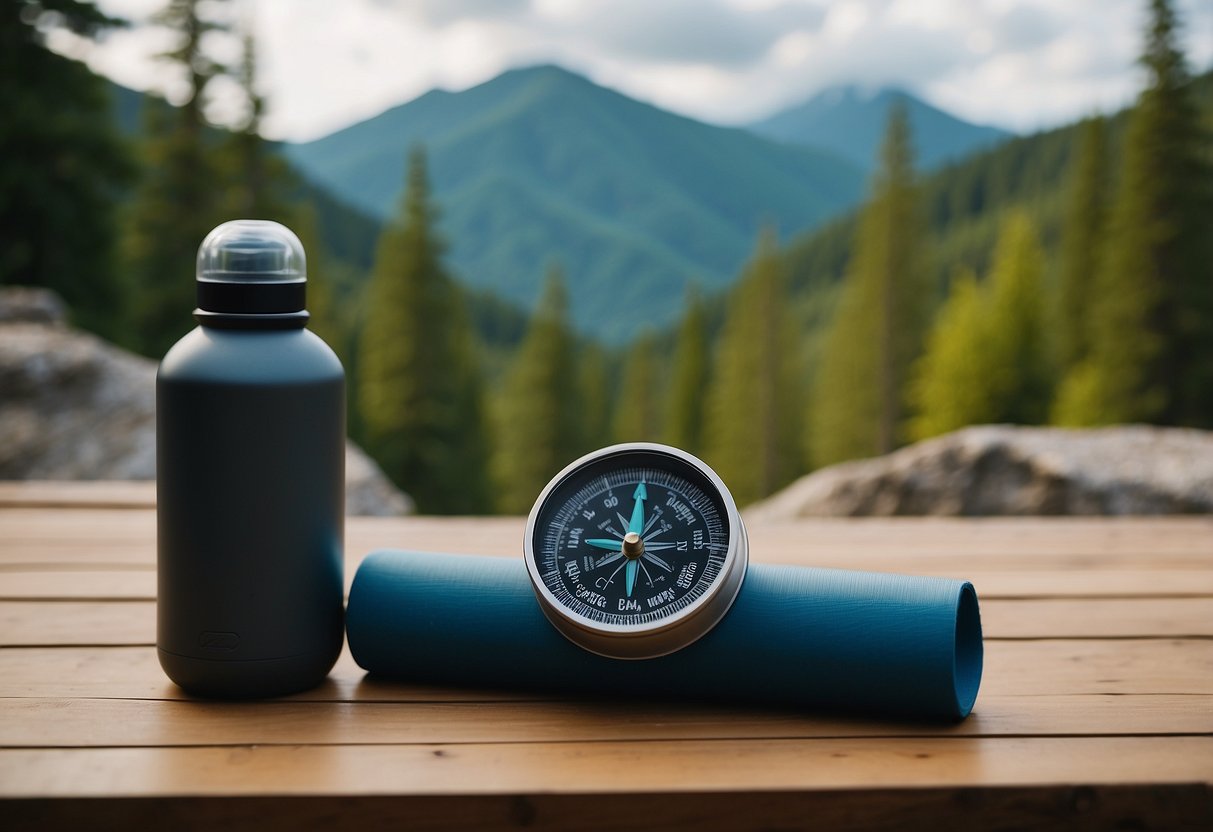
[(667, 634)]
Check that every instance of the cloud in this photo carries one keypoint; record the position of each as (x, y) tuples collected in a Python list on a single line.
[(1022, 64), (708, 32), (444, 12)]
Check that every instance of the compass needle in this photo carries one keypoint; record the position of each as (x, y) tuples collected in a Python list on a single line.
[(678, 503), (640, 495)]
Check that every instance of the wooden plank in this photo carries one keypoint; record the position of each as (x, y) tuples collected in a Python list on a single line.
[(83, 582), (79, 584), (573, 767), (1138, 666), (51, 723), (134, 673), (133, 622), (1173, 807), (909, 544), (1012, 668), (84, 622), (78, 494), (1098, 618)]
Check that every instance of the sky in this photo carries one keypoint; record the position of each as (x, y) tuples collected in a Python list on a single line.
[(1019, 65)]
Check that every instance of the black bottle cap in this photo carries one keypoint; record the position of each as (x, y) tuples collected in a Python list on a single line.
[(251, 267)]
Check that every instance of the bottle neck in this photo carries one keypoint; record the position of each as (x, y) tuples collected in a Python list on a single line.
[(229, 320)]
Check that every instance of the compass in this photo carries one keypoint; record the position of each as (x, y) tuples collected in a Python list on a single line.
[(635, 550)]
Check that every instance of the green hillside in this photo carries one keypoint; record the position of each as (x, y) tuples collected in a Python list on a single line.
[(847, 121), (540, 164), (965, 204)]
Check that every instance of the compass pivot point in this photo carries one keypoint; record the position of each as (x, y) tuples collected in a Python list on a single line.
[(633, 546)]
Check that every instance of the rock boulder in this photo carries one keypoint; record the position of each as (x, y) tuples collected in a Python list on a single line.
[(73, 407), (1010, 470)]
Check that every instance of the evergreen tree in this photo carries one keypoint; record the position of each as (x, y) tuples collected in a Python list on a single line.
[(181, 197), (62, 164), (987, 357), (754, 396), (685, 405), (597, 396), (857, 408), (539, 428), (1151, 355), (1082, 234), (259, 180), (950, 384), (418, 385), (637, 405)]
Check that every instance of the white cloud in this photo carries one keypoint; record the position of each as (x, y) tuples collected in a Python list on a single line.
[(1017, 64)]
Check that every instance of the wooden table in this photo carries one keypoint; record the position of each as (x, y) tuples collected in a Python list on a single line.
[(1096, 709)]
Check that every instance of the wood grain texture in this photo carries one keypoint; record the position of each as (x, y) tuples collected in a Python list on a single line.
[(628, 767), (78, 493), (99, 536), (1012, 668), (134, 622), (21, 582), (1096, 707), (103, 723)]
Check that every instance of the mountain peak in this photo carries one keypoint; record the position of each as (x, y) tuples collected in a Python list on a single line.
[(541, 164), (849, 119)]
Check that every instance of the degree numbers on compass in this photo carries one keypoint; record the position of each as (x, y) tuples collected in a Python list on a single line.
[(633, 546)]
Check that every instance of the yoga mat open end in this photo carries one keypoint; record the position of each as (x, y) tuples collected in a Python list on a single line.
[(967, 672)]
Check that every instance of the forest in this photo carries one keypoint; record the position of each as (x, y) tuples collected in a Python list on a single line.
[(1060, 278)]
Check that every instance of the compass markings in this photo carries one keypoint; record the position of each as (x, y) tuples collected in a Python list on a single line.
[(572, 515)]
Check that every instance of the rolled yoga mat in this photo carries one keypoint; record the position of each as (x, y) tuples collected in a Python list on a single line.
[(886, 645)]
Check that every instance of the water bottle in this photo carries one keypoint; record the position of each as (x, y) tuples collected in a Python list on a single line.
[(250, 461)]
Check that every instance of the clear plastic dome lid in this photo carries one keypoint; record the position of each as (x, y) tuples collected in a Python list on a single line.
[(251, 251)]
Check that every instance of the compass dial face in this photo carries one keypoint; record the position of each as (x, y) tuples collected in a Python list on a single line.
[(635, 538)]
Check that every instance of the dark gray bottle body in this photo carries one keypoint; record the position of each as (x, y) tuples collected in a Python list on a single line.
[(250, 448)]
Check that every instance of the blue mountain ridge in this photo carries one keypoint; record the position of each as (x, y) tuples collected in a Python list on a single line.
[(541, 165), (850, 121)]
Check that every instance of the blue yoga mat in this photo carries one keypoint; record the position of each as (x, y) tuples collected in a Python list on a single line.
[(886, 645)]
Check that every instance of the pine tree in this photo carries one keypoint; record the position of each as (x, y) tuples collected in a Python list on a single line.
[(857, 407), (685, 406), (987, 357), (418, 383), (637, 405), (62, 165), (539, 428), (1082, 234), (950, 384), (259, 180), (181, 197), (1151, 356), (755, 393), (597, 396)]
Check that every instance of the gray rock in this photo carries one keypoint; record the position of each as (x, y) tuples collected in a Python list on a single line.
[(1009, 470), (73, 407), (30, 305)]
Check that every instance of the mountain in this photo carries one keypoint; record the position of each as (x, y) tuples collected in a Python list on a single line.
[(540, 165), (965, 203), (850, 122)]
